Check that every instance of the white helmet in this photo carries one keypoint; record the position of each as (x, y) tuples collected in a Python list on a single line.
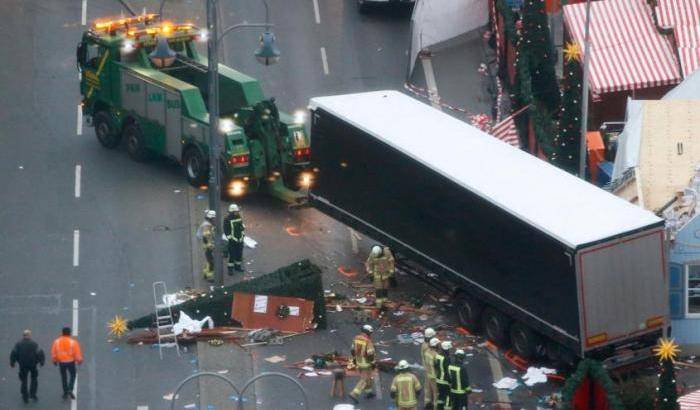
[(403, 365), (434, 342), (233, 208), (210, 214), (376, 251), (429, 332), (459, 352), (367, 328), (446, 345)]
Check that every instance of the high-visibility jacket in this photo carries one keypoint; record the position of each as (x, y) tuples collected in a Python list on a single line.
[(405, 386), (428, 355), (65, 349), (381, 267), (442, 362), (363, 351), (234, 229), (459, 379)]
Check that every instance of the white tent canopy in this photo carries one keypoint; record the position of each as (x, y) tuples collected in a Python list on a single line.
[(436, 21)]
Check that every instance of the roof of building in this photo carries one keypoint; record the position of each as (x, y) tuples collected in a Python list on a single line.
[(684, 17), (627, 51), (559, 204)]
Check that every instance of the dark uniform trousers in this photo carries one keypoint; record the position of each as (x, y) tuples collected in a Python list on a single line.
[(459, 401), (235, 253), (67, 368), (24, 374)]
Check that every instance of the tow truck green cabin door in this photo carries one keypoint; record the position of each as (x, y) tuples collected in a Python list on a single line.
[(155, 113), (173, 125)]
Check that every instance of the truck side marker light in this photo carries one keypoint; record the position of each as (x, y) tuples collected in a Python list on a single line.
[(597, 339), (655, 321)]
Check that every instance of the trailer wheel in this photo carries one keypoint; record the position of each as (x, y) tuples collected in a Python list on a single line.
[(135, 142), (469, 312), (104, 130), (196, 167), (496, 326), (524, 341)]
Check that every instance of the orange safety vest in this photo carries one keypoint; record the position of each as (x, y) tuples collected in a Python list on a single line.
[(65, 349)]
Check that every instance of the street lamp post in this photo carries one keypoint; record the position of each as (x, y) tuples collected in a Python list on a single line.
[(267, 54), (584, 92)]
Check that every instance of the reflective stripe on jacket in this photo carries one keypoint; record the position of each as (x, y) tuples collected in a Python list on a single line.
[(65, 349), (405, 385), (363, 351), (459, 380), (441, 363)]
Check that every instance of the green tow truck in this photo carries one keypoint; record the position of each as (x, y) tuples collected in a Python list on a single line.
[(162, 111)]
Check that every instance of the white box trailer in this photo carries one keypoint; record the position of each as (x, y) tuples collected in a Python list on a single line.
[(542, 260)]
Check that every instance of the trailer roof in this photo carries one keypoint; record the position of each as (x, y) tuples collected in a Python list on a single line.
[(565, 207)]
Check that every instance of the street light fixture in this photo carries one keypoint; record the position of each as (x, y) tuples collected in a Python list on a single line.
[(267, 54)]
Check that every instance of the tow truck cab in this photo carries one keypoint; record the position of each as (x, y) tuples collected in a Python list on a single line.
[(161, 107)]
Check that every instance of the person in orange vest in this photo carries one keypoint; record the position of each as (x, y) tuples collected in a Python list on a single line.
[(363, 357), (66, 353)]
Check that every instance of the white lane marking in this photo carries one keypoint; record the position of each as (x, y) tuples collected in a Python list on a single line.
[(141, 407), (79, 123), (377, 385), (83, 14), (317, 15), (75, 331), (76, 247), (78, 170), (324, 60), (431, 83), (497, 374)]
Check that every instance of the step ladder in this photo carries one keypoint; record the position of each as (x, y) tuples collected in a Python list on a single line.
[(164, 319)]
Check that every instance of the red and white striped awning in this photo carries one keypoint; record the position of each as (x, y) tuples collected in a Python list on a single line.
[(684, 17), (690, 401), (627, 52)]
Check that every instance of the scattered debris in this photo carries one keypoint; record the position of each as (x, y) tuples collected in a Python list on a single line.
[(535, 375), (186, 323), (250, 242), (506, 383), (275, 359)]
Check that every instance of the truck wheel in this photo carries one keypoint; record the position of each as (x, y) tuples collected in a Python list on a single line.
[(496, 326), (135, 142), (104, 130), (469, 312), (524, 341), (196, 167)]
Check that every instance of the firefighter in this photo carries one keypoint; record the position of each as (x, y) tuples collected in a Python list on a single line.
[(459, 382), (206, 234), (234, 230), (428, 355), (405, 388), (363, 357), (442, 375), (380, 267)]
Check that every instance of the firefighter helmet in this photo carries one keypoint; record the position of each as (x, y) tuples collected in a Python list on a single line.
[(434, 342), (403, 365), (233, 208), (376, 251), (446, 345), (367, 329), (429, 332), (210, 214)]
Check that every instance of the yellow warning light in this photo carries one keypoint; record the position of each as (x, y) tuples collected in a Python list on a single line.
[(167, 28)]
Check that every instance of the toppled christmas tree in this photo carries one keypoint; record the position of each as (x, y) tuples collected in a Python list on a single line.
[(301, 279)]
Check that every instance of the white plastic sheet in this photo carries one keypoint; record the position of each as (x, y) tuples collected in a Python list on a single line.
[(191, 325), (535, 375), (436, 21), (506, 383)]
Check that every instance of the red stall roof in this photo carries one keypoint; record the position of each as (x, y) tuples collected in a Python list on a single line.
[(627, 52), (684, 17)]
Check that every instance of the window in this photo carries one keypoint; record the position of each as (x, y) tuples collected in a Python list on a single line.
[(93, 55), (693, 291)]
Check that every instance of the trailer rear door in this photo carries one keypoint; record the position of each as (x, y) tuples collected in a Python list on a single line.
[(622, 288)]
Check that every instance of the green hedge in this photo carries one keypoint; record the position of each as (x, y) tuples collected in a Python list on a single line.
[(301, 279)]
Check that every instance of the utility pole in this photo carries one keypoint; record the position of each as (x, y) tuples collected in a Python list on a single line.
[(214, 138), (584, 93)]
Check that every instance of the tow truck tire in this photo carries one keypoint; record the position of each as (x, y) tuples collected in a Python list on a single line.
[(524, 341), (104, 130), (469, 312), (196, 167), (496, 326), (135, 142)]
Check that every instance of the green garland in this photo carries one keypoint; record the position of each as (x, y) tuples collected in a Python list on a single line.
[(596, 372)]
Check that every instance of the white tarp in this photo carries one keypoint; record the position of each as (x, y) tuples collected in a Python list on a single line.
[(191, 325), (629, 141), (435, 21)]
